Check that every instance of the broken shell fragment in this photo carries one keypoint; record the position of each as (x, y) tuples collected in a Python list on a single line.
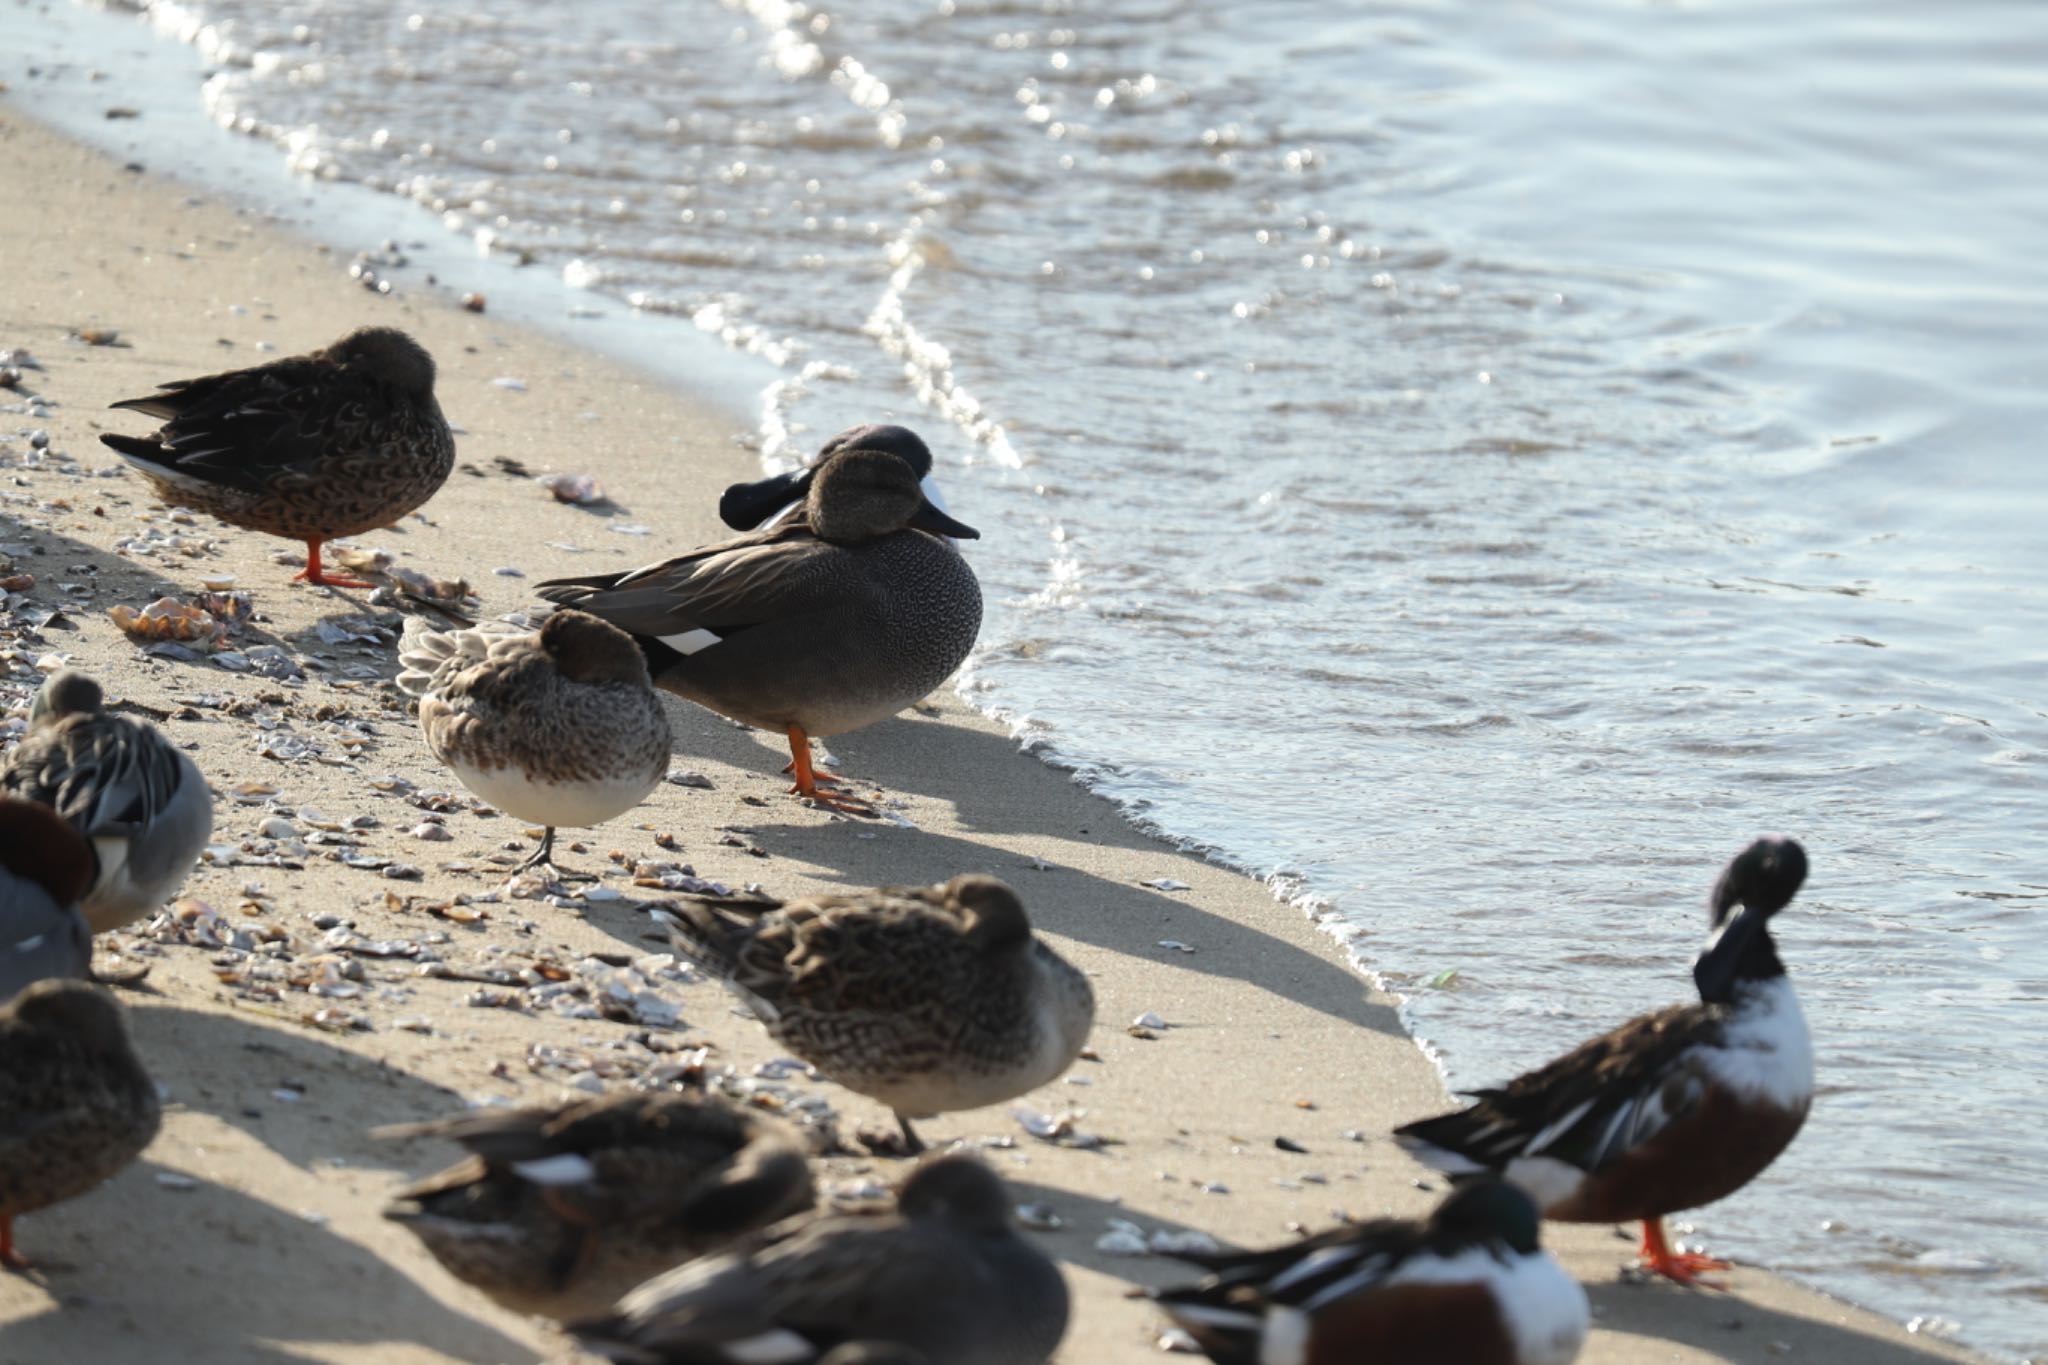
[(580, 489)]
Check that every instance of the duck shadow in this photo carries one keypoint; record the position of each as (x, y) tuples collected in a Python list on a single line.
[(145, 1279), (307, 1100), (1703, 1318), (1084, 907)]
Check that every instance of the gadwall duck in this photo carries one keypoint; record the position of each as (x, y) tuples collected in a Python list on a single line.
[(560, 1210), (945, 1275), (1673, 1109), (818, 625), (312, 448), (77, 1104), (140, 803), (45, 870), (763, 502), (930, 999), (558, 726), (1468, 1284)]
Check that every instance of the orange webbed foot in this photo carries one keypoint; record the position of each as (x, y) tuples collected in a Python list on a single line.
[(312, 573), (813, 787), (1680, 1267)]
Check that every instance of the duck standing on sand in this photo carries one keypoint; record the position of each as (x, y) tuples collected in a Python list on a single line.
[(820, 624), (763, 502), (946, 1275), (560, 1210), (140, 803), (558, 726), (1673, 1109), (930, 999), (1468, 1284), (75, 1104), (315, 447), (45, 870)]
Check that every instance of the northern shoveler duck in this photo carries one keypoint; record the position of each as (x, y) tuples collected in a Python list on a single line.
[(75, 1104), (140, 803), (818, 625), (945, 1275), (1468, 1284), (1673, 1109), (45, 870), (930, 999), (313, 448), (560, 1210), (558, 726), (763, 502)]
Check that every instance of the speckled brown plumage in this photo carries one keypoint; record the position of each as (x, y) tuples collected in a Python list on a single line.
[(315, 447), (558, 726), (141, 804), (929, 999), (823, 623), (559, 1211), (75, 1104), (945, 1277)]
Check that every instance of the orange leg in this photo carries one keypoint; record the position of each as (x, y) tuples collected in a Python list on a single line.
[(1683, 1266), (311, 573), (810, 785), (9, 1257)]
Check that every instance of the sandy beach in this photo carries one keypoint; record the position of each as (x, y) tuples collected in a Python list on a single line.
[(250, 1230)]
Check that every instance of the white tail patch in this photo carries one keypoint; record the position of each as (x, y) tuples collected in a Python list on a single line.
[(566, 1168), (691, 641)]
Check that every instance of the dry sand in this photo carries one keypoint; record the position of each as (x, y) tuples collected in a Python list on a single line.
[(250, 1231)]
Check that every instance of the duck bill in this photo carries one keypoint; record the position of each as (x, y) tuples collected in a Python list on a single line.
[(930, 518), (1720, 965), (745, 506)]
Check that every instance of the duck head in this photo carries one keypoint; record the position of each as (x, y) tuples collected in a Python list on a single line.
[(389, 357), (862, 494), (1757, 884)]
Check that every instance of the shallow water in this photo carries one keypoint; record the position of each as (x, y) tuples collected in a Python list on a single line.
[(1475, 463)]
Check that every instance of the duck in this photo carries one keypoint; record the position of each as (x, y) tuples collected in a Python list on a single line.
[(945, 1274), (45, 870), (823, 623), (559, 1210), (78, 1104), (314, 447), (556, 726), (1470, 1283), (931, 999), (140, 803), (763, 502), (1673, 1109)]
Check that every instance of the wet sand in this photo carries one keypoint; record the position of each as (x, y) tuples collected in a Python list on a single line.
[(250, 1231)]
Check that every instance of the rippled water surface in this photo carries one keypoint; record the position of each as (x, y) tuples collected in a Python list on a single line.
[(1478, 461)]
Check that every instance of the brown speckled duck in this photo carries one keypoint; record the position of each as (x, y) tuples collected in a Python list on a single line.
[(930, 999), (313, 448), (945, 1277), (45, 870), (141, 804), (75, 1104), (816, 625), (559, 1211), (558, 726)]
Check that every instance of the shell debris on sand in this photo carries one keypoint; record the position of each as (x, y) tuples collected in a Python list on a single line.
[(582, 490)]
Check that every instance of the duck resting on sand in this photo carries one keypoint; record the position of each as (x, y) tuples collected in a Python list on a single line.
[(1469, 1284), (558, 726), (313, 447), (827, 621), (1670, 1111), (142, 805), (930, 999)]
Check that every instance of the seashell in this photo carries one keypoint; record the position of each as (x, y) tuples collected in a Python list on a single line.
[(580, 489)]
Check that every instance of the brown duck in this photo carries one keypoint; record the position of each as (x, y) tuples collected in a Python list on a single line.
[(931, 999), (313, 448), (559, 1211), (826, 621), (75, 1104)]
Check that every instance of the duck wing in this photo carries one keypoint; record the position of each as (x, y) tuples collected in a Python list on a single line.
[(238, 428), (773, 575)]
